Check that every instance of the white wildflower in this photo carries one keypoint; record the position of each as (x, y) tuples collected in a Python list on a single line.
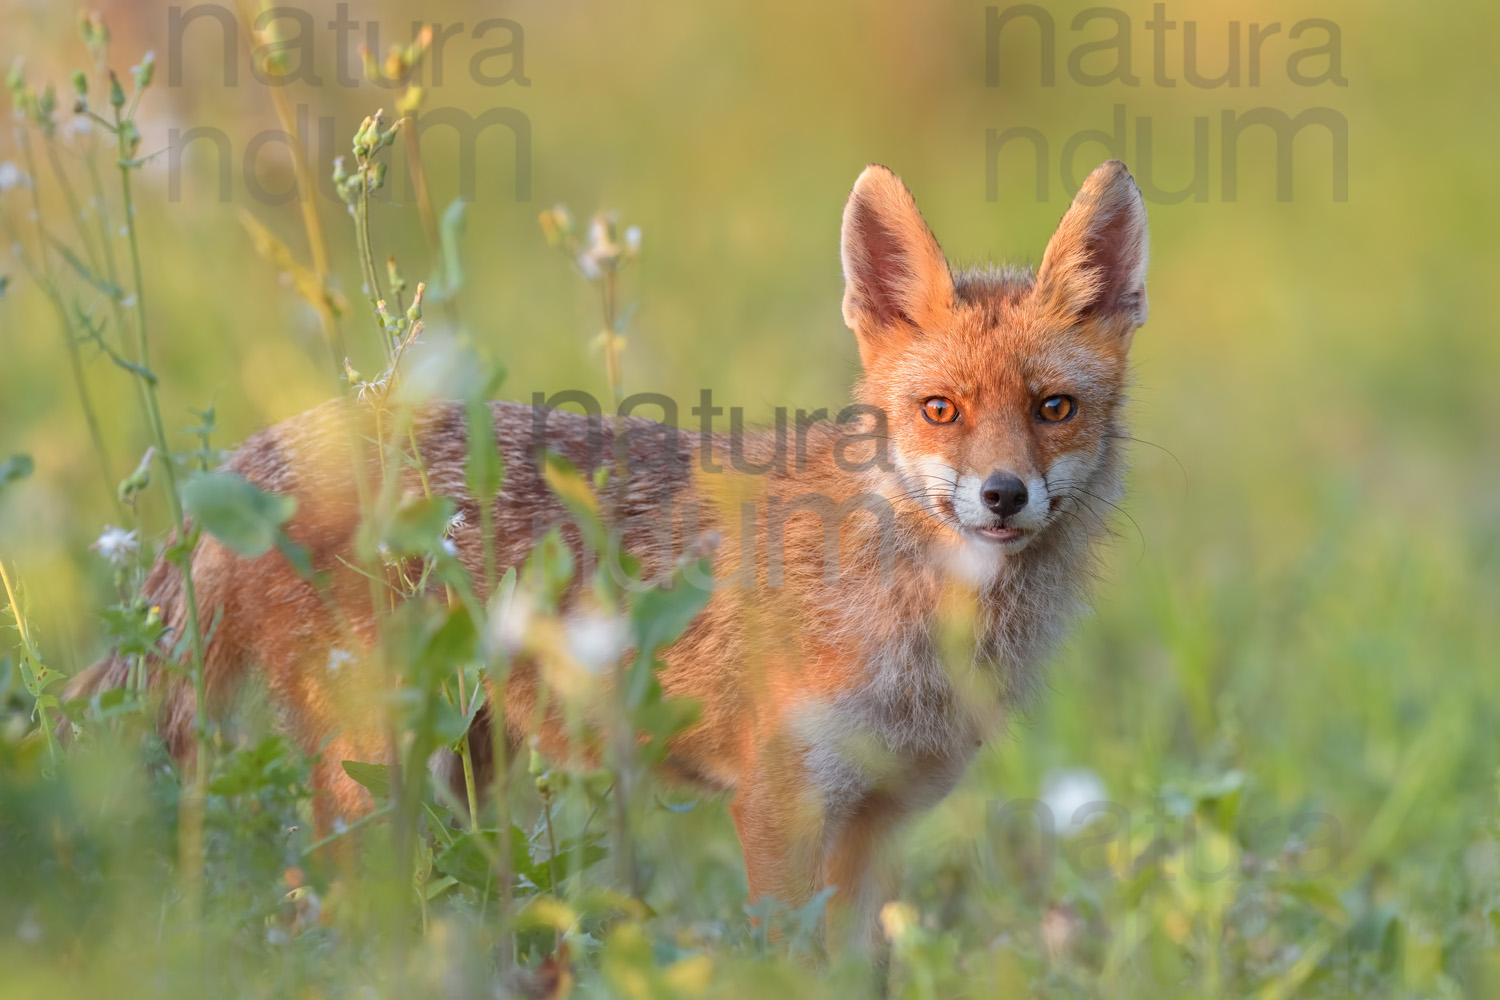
[(337, 658), (588, 265), (1066, 792), (510, 621), (117, 545), (11, 176), (597, 641), (458, 522), (368, 390), (449, 547), (29, 930), (633, 240), (599, 241)]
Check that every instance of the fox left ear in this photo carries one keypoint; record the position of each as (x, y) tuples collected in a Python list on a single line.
[(896, 279), (1095, 264)]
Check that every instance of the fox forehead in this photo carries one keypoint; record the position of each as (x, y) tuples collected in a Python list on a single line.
[(1001, 358)]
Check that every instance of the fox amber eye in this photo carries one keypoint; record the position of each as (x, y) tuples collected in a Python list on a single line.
[(939, 410), (1056, 409)]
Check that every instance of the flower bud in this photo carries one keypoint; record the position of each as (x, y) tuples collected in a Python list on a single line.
[(411, 100), (549, 227), (414, 311), (80, 83), (145, 71)]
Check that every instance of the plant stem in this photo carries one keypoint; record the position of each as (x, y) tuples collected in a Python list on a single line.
[(69, 195), (611, 352), (624, 737), (75, 362), (311, 224), (465, 754), (551, 841), (192, 827), (15, 609), (367, 256)]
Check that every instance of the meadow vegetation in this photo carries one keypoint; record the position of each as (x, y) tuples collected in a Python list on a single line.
[(1266, 765)]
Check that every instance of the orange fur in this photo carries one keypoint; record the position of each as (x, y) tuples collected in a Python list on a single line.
[(881, 626)]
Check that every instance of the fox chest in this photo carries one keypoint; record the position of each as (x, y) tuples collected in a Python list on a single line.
[(906, 731)]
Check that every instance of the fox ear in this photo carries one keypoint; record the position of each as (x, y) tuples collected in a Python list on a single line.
[(1095, 264), (896, 279)]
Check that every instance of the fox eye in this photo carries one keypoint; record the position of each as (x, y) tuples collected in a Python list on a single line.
[(1056, 409), (938, 410)]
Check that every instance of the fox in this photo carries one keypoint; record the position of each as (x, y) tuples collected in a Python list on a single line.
[(848, 679)]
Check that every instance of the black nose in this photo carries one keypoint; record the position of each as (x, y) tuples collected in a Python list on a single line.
[(1003, 493)]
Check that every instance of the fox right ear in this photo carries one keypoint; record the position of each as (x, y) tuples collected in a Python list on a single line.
[(896, 279)]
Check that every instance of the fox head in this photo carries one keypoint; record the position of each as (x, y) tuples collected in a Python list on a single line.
[(1000, 389)]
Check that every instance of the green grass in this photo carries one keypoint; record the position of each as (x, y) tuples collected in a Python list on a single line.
[(1287, 690)]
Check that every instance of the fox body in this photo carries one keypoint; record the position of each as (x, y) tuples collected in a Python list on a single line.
[(884, 597)]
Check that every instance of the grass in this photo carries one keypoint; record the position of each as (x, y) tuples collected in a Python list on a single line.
[(1286, 694)]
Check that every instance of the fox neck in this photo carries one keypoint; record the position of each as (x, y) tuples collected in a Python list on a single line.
[(1010, 609)]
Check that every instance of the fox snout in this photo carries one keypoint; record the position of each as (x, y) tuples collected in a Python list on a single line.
[(1002, 506), (1004, 494)]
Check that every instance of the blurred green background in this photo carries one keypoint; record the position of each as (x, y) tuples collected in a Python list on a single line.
[(1305, 591)]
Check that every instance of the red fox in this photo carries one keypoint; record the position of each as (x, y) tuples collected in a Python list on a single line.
[(848, 677)]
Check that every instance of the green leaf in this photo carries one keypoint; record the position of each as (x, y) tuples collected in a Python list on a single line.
[(15, 469), (549, 568), (468, 858), (135, 630), (660, 615), (265, 765), (108, 288), (418, 525), (451, 228), (564, 480), (237, 512), (375, 777), (296, 555), (1321, 898), (485, 469), (36, 677), (438, 886), (658, 618), (567, 862)]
